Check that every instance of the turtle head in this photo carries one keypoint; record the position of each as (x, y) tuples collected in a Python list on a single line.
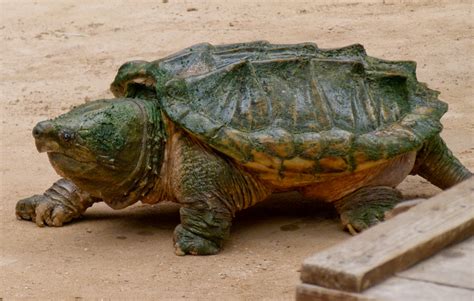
[(108, 148)]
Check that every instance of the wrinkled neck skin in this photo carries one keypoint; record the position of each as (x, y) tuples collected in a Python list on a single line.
[(163, 189), (146, 174)]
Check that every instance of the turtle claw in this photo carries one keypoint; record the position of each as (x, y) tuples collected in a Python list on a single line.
[(26, 208), (351, 229), (43, 211), (356, 222), (366, 207), (186, 242)]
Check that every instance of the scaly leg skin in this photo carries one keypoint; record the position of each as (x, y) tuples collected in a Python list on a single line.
[(61, 203), (436, 163), (201, 232), (210, 190), (366, 207)]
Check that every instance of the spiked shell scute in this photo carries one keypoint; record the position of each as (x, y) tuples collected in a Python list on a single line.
[(291, 108)]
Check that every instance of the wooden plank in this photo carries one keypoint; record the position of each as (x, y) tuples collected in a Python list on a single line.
[(446, 276), (453, 266), (377, 253), (393, 289), (397, 289), (309, 292)]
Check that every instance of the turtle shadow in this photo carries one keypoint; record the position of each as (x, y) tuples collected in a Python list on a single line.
[(285, 210), (144, 219), (160, 217), (290, 205)]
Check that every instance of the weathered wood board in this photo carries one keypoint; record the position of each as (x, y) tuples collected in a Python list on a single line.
[(453, 266), (397, 289), (377, 253), (449, 275), (310, 292), (393, 289)]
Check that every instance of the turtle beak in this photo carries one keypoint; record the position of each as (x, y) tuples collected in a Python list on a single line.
[(45, 135)]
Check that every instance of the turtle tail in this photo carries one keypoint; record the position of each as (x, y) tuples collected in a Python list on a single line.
[(437, 164)]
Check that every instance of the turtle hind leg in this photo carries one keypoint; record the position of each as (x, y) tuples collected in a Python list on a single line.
[(366, 207), (437, 164)]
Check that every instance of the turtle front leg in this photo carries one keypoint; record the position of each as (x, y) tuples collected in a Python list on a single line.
[(366, 207), (61, 203), (201, 232), (210, 189)]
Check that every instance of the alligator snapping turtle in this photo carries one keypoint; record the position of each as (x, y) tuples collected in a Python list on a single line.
[(219, 128)]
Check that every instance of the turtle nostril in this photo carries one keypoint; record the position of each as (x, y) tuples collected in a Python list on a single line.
[(36, 132), (42, 128)]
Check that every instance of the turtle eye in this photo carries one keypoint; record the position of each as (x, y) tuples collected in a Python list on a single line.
[(66, 136)]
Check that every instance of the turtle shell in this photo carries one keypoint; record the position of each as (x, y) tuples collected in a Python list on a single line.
[(291, 108), (203, 58)]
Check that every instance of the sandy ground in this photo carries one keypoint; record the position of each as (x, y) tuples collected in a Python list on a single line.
[(56, 54)]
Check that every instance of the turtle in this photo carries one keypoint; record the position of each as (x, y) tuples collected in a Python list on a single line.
[(218, 129)]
